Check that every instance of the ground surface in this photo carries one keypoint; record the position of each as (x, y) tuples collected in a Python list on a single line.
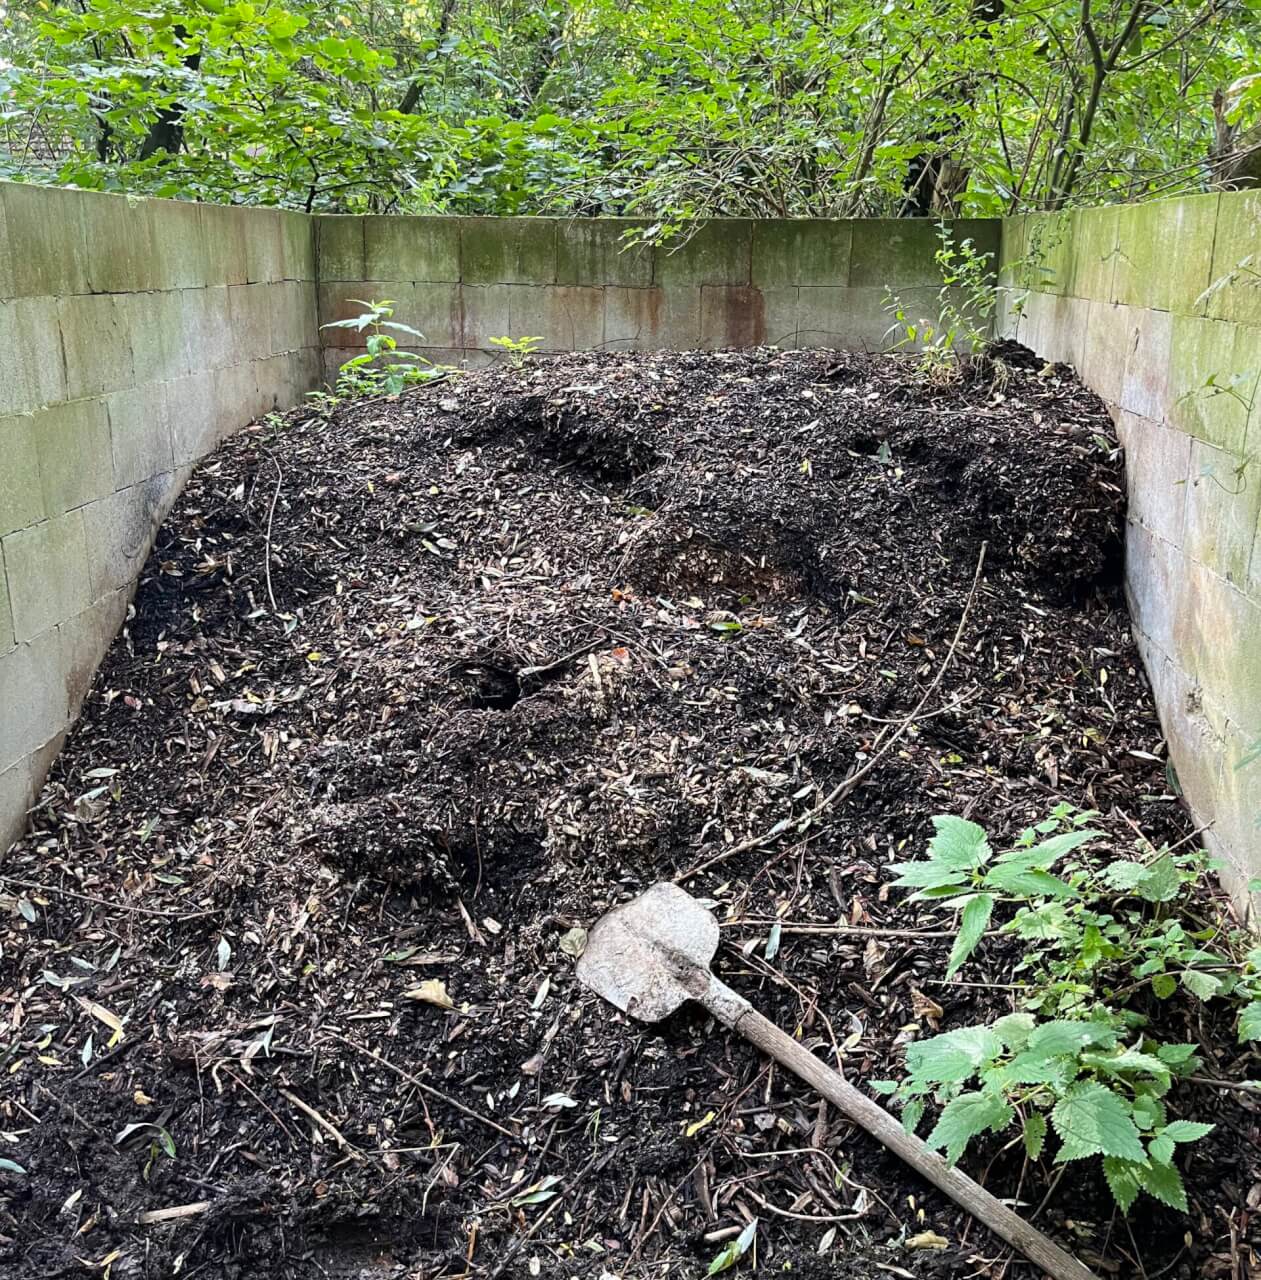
[(409, 695)]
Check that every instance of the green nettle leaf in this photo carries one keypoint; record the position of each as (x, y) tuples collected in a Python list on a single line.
[(912, 1114), (1049, 852), (1123, 1181), (1034, 1134), (966, 1116), (1250, 1022), (959, 844), (927, 875), (1056, 1039), (1014, 1029), (1164, 985), (953, 1056), (1203, 985), (1162, 882), (1124, 875), (883, 1086), (1165, 1183), (972, 923), (1092, 1120), (1149, 1113), (1187, 1131), (1022, 881), (1161, 1150)]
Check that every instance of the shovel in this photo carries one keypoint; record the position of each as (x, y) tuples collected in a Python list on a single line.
[(652, 954)]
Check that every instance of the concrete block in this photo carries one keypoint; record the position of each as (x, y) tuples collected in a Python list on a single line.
[(899, 253), (1046, 255), (20, 787), (339, 248), (1223, 504), (1157, 473), (264, 249), (566, 317), (190, 403), (7, 286), (433, 309), (7, 638), (1204, 349), (120, 255), (407, 248), (1011, 253), (1154, 570), (297, 246), (223, 240), (852, 319), (32, 366), (140, 433), (48, 248), (21, 495), (1215, 633), (207, 329), (120, 530), (655, 319), (290, 323), (508, 250), (32, 698), (179, 249), (84, 640), (236, 399), (484, 314), (719, 252), (97, 345), (154, 324), (1145, 388), (1234, 287), (811, 251), (1110, 330), (47, 568), (1094, 252), (595, 251), (249, 317), (1164, 252), (1236, 813), (741, 316), (73, 443)]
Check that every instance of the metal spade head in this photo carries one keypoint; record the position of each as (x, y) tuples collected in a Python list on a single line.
[(640, 956)]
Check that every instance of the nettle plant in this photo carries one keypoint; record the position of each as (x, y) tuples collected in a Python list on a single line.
[(1076, 1061), (382, 369)]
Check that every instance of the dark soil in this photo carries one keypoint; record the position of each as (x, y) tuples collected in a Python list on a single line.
[(408, 695)]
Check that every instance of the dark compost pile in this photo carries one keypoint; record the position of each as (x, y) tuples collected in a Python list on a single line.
[(409, 695)]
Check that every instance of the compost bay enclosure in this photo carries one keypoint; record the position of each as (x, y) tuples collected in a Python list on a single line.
[(384, 599)]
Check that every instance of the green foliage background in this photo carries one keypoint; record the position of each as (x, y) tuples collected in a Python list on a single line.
[(667, 109)]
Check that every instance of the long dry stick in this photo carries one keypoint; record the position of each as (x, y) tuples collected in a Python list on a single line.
[(850, 783)]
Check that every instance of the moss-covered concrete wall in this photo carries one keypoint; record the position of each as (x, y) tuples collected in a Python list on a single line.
[(1159, 308), (133, 336), (578, 286)]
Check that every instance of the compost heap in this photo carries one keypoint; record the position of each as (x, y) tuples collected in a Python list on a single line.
[(412, 692)]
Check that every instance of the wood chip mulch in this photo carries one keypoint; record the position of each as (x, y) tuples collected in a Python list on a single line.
[(410, 695)]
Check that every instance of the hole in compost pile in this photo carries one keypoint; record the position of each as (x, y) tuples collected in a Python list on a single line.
[(490, 688)]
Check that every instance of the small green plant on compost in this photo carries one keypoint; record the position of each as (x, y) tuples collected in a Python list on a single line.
[(1107, 940), (966, 301), (518, 350), (382, 369)]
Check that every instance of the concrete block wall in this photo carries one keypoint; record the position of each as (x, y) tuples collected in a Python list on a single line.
[(134, 334), (576, 285), (1158, 306)]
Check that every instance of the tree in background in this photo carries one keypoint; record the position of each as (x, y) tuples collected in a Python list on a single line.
[(661, 109)]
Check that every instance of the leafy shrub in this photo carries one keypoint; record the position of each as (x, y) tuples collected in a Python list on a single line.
[(1076, 1060)]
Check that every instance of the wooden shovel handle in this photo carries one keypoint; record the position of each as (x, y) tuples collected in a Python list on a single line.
[(886, 1129)]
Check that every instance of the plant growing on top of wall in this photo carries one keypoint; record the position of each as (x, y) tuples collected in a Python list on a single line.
[(382, 369), (951, 340), (1107, 942)]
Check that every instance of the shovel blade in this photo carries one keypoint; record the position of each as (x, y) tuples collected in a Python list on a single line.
[(639, 955)]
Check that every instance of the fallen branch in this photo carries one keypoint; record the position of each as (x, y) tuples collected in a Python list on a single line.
[(313, 1115), (173, 1212)]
